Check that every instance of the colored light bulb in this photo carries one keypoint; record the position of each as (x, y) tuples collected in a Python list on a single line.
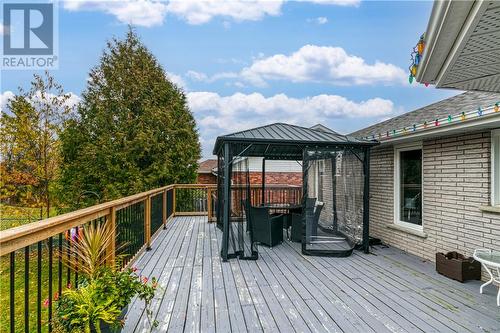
[(410, 79), (496, 108), (436, 122), (462, 116), (479, 111), (449, 118), (413, 70)]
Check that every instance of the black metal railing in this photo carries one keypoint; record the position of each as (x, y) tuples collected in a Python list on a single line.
[(191, 200), (130, 236), (32, 273), (156, 213)]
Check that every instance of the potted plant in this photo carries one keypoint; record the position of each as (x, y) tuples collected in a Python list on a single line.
[(100, 302)]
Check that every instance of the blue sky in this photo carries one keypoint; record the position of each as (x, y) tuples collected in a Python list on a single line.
[(342, 63)]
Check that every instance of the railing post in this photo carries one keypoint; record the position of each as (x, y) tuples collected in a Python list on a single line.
[(173, 201), (112, 246), (147, 222), (164, 210), (209, 204)]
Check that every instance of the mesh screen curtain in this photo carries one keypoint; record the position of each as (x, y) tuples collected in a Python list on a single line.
[(233, 188), (333, 200)]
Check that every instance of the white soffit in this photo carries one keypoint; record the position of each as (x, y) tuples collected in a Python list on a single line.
[(473, 61)]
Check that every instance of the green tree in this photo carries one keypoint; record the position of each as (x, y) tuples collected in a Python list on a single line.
[(133, 130), (30, 130)]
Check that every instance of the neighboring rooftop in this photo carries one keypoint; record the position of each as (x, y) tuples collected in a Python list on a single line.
[(465, 102), (207, 166)]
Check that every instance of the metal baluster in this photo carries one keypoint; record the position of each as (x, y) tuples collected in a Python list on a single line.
[(76, 257), (12, 288), (39, 289), (26, 289), (59, 266), (50, 283)]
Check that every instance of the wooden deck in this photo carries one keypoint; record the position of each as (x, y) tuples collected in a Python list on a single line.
[(387, 291)]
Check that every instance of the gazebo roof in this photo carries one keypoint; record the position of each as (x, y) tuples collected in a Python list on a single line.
[(285, 141)]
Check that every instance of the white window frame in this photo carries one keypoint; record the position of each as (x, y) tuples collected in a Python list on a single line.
[(495, 167), (397, 194)]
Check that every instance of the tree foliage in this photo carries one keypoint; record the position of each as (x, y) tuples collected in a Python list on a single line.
[(30, 129), (133, 130)]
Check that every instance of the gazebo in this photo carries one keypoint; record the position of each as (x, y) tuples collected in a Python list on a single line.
[(335, 207)]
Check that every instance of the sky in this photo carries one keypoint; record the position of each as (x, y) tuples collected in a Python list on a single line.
[(341, 63)]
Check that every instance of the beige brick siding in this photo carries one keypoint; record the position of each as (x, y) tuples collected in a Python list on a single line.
[(456, 182)]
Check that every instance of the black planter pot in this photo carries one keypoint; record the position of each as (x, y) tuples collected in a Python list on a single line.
[(107, 328)]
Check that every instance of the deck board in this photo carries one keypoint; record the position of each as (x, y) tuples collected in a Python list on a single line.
[(284, 291)]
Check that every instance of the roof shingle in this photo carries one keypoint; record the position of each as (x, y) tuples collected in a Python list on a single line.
[(468, 101)]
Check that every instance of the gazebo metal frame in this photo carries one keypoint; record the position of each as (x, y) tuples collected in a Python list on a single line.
[(281, 141)]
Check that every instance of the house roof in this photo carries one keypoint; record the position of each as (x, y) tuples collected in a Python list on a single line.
[(287, 135), (462, 43), (323, 128), (207, 166), (465, 102)]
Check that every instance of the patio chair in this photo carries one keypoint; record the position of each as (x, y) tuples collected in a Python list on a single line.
[(296, 221), (315, 221), (267, 229)]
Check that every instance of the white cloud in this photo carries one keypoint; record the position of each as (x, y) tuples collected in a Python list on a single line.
[(152, 12), (217, 114), (72, 101), (334, 2), (177, 80), (199, 12), (4, 99), (138, 12), (319, 20), (312, 63)]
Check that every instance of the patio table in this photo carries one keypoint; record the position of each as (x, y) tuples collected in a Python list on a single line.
[(490, 260)]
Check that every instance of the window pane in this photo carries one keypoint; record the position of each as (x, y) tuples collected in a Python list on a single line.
[(411, 186)]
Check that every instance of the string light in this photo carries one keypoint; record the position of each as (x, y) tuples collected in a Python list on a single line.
[(421, 45), (438, 122), (416, 57)]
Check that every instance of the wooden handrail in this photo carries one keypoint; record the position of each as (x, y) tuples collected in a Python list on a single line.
[(18, 237)]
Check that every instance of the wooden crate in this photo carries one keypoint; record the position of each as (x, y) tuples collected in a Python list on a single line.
[(457, 267)]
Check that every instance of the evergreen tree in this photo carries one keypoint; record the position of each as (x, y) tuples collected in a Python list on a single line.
[(134, 130)]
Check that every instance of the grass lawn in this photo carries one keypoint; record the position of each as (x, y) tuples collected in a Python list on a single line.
[(12, 217)]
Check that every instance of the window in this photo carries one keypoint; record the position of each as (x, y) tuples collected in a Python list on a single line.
[(408, 186), (495, 167)]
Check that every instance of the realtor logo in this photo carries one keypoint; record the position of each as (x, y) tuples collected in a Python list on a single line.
[(29, 36)]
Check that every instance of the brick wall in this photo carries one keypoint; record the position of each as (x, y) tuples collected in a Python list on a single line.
[(456, 182), (206, 178), (284, 178)]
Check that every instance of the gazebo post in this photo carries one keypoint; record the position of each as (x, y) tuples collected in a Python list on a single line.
[(366, 202), (227, 193), (263, 180)]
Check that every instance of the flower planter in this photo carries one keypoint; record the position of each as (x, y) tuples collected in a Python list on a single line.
[(107, 328), (457, 267)]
